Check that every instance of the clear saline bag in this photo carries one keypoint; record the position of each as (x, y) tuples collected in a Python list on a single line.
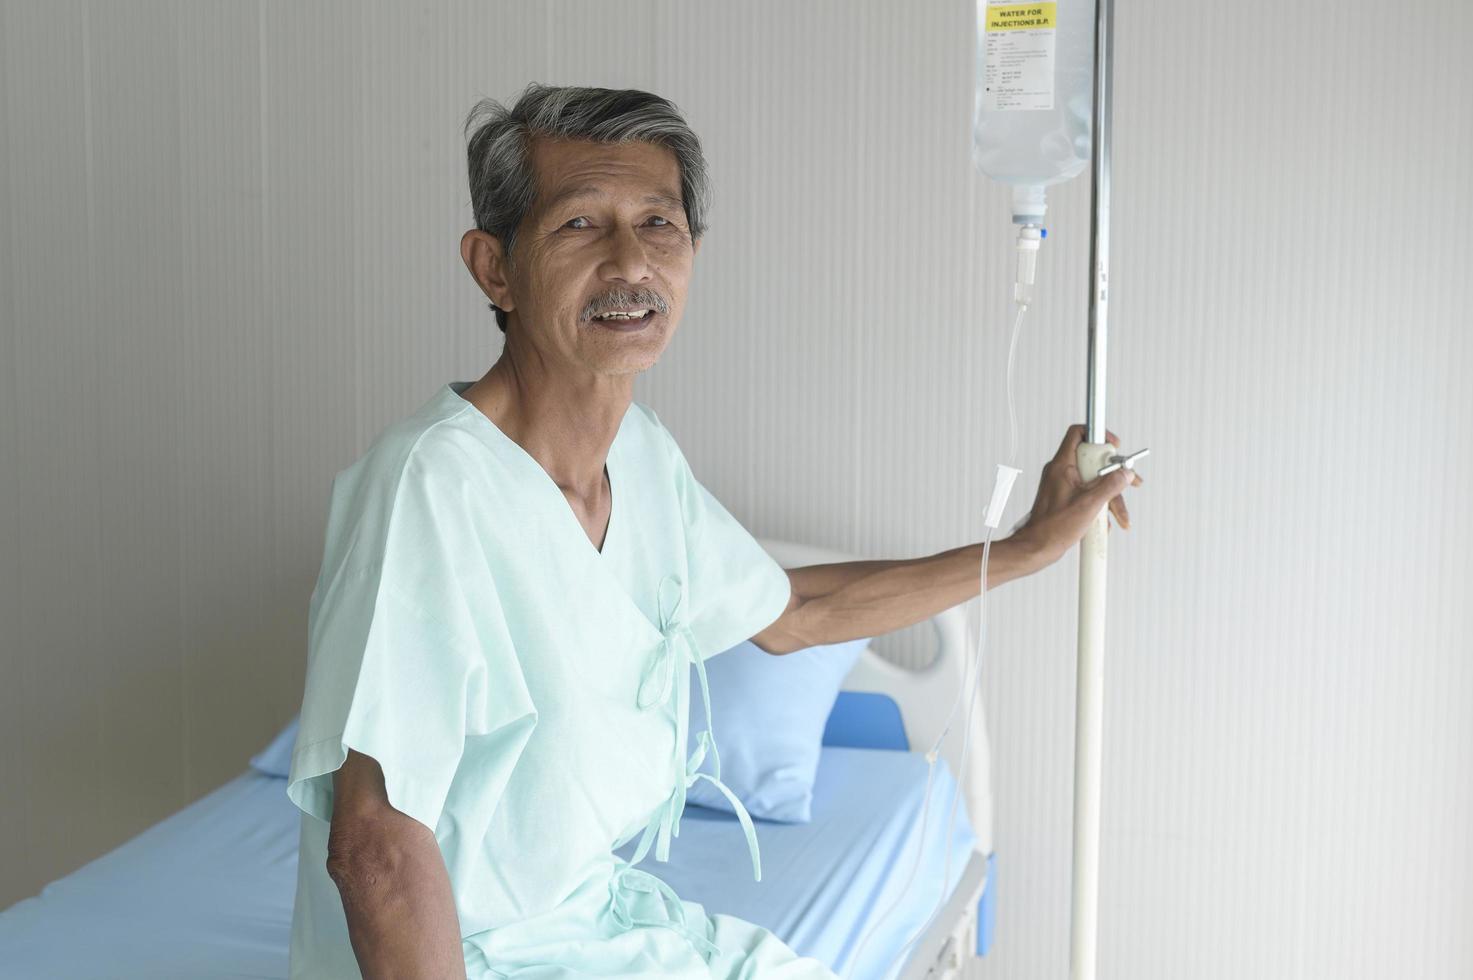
[(1031, 117)]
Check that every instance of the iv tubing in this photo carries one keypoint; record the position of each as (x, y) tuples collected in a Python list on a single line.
[(971, 678)]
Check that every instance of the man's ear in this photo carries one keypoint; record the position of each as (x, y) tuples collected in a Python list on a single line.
[(486, 261), (695, 247)]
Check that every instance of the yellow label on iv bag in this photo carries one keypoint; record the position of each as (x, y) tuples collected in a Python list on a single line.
[(1021, 16), (1017, 44)]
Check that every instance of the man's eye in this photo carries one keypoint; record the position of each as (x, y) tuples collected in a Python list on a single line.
[(656, 217)]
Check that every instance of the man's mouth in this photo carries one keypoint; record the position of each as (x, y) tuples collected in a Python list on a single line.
[(625, 316), (625, 321)]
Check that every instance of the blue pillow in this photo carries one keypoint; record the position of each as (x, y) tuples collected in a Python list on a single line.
[(769, 711), (276, 758)]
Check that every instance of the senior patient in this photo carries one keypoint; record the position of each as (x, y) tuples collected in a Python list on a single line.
[(519, 578)]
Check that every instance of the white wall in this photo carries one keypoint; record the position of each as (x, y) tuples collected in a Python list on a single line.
[(228, 257)]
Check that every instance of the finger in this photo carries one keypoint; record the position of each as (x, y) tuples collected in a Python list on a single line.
[(1112, 438), (1070, 446), (1117, 507)]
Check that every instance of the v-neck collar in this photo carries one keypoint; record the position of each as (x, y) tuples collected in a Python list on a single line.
[(453, 389)]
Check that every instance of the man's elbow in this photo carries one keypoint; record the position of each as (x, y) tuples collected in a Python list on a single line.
[(371, 848), (358, 861), (784, 634)]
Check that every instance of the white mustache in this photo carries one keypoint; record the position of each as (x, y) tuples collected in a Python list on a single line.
[(656, 306)]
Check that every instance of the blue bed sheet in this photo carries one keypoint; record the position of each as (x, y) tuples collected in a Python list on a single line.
[(825, 882), (207, 893)]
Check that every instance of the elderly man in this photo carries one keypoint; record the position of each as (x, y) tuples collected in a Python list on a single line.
[(519, 578)]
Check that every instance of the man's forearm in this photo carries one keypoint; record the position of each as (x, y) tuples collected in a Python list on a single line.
[(848, 600)]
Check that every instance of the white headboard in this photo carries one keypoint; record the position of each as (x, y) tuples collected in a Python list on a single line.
[(925, 696)]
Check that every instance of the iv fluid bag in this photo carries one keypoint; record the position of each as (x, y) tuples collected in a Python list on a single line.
[(1034, 96)]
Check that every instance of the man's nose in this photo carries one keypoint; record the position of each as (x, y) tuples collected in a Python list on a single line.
[(626, 259)]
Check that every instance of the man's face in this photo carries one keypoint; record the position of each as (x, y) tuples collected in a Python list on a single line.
[(607, 232)]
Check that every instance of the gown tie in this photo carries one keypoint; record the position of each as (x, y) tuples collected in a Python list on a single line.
[(662, 679), (627, 886)]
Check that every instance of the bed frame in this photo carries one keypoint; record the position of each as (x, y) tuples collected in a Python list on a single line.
[(962, 930)]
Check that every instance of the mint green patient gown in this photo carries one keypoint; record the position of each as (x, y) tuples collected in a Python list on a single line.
[(526, 695)]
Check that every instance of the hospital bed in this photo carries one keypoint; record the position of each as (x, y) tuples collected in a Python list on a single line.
[(207, 892)]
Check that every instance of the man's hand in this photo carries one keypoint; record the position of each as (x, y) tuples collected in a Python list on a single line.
[(1065, 506)]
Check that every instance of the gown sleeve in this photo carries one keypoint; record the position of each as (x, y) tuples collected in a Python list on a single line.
[(409, 659), (736, 589)]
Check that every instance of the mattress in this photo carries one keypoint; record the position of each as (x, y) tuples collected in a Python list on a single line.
[(207, 893)]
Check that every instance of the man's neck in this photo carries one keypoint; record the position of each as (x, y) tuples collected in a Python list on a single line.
[(567, 428)]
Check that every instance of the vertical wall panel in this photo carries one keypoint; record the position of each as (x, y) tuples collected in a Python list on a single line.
[(229, 255), (235, 646), (138, 335), (15, 668), (55, 651)]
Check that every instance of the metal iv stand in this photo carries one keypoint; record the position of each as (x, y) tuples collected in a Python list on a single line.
[(1095, 457)]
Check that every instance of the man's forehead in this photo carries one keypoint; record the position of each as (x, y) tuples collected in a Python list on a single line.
[(601, 190), (568, 171)]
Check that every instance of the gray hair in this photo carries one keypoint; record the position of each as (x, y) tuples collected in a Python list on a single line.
[(498, 153)]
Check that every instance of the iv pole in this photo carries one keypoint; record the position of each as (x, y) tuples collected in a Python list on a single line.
[(1092, 455), (1095, 458)]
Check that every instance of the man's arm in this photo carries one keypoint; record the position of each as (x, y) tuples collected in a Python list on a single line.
[(848, 600), (392, 879)]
